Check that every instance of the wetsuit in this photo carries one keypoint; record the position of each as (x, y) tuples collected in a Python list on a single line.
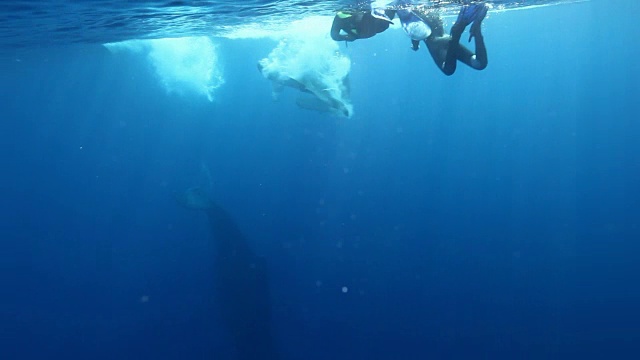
[(350, 26), (446, 50), (455, 51)]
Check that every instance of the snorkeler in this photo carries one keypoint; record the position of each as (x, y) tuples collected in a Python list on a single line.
[(360, 24), (446, 50)]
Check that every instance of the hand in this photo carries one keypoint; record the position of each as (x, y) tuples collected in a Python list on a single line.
[(349, 37)]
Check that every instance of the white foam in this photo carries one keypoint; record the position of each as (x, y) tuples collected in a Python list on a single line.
[(309, 56), (184, 66), (305, 53), (312, 26)]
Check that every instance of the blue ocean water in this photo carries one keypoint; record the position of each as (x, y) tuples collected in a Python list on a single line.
[(488, 215)]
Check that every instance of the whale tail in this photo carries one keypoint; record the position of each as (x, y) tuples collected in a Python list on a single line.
[(195, 198)]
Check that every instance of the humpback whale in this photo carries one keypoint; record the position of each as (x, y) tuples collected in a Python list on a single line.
[(312, 65), (241, 281)]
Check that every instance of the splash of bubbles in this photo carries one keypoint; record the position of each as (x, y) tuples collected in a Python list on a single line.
[(307, 59), (184, 66)]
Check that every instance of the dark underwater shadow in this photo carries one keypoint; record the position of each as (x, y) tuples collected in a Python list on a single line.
[(241, 282)]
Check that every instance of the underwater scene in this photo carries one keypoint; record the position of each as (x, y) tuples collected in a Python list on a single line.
[(314, 180)]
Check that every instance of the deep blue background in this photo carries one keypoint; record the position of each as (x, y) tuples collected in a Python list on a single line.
[(490, 214)]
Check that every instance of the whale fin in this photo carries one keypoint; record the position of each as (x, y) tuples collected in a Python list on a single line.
[(194, 198)]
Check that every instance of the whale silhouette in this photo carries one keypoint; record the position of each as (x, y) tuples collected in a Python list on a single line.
[(241, 281)]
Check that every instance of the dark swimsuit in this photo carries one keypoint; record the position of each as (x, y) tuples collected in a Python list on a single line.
[(360, 25)]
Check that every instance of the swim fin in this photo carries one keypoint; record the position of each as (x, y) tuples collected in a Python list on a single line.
[(477, 22), (469, 13)]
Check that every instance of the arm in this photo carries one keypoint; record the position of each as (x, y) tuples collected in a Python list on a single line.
[(338, 25)]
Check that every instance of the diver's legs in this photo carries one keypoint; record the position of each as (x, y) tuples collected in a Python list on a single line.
[(468, 13), (451, 59), (438, 47), (480, 60), (446, 51)]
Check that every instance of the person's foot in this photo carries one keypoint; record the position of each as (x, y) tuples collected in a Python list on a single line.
[(476, 28)]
